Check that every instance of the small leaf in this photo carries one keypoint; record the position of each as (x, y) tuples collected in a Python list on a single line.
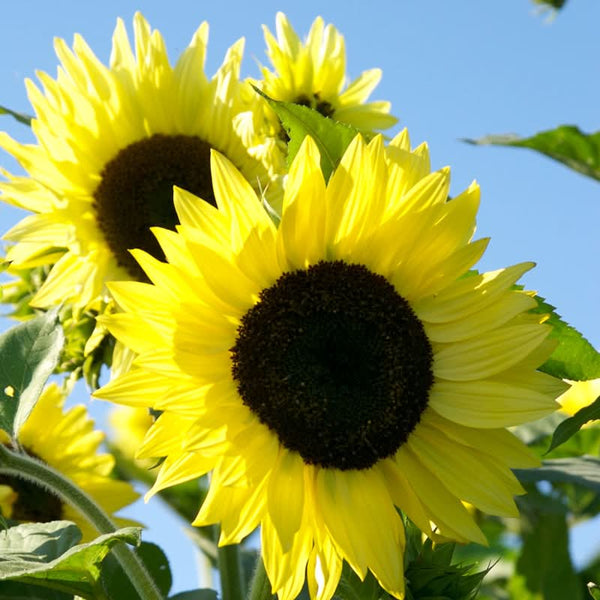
[(119, 586), (574, 357), (331, 137), (203, 594), (581, 470), (12, 590), (566, 144), (544, 560), (568, 428), (21, 117), (29, 352), (45, 540), (594, 590), (44, 554), (554, 4), (536, 431)]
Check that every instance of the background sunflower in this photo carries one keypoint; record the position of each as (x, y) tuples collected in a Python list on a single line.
[(66, 441), (313, 73), (111, 143)]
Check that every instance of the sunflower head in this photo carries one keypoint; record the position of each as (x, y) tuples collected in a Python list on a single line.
[(579, 395), (313, 73), (111, 142), (329, 371), (128, 427), (66, 441)]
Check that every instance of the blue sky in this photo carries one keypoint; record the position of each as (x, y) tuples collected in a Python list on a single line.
[(451, 70)]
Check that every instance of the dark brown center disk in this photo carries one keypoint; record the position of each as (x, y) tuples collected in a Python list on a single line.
[(335, 362), (34, 503), (136, 192)]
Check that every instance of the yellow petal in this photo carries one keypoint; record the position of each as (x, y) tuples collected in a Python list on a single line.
[(285, 496), (496, 351)]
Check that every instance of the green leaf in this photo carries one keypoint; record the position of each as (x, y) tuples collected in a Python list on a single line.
[(534, 433), (12, 590), (21, 117), (44, 554), (571, 426), (351, 587), (574, 357), (29, 352), (594, 590), (203, 594), (581, 470), (331, 137), (44, 540), (544, 561), (566, 144), (554, 4), (119, 586)]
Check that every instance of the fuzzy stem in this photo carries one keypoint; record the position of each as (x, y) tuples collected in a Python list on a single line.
[(31, 469), (260, 589), (230, 571)]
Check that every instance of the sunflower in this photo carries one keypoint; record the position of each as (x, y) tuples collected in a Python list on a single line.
[(314, 74), (128, 427), (66, 441), (111, 143), (330, 370), (579, 395)]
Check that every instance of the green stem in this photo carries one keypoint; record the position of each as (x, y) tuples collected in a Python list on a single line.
[(260, 589), (230, 572), (25, 467)]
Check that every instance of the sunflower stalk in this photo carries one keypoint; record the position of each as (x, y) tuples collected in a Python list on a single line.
[(30, 469), (230, 572), (260, 588)]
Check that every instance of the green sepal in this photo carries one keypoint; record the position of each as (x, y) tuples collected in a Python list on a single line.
[(574, 357), (78, 326), (21, 117), (76, 357), (569, 427), (46, 555), (29, 353), (432, 576), (332, 137), (566, 144), (20, 291), (351, 587)]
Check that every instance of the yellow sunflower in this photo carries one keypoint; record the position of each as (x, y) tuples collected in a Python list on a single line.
[(67, 441), (330, 370), (579, 395), (128, 427), (111, 143), (314, 74)]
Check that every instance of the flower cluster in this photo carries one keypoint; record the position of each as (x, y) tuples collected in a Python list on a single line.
[(113, 141), (323, 348)]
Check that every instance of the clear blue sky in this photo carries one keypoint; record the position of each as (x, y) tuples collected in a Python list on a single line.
[(450, 69)]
